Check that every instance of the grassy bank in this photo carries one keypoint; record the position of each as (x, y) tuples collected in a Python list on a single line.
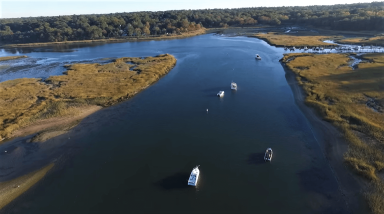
[(12, 189), (112, 40), (26, 102), (353, 101), (376, 40), (5, 58), (281, 40)]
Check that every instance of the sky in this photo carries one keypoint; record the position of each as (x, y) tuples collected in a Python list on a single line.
[(31, 8)]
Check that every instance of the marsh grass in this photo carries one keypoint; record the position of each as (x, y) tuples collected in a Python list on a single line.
[(25, 101), (376, 40), (340, 95), (5, 58), (280, 39)]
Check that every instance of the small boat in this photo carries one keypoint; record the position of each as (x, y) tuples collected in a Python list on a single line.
[(258, 57), (192, 181), (285, 48), (220, 94), (233, 86), (268, 154), (305, 48), (292, 49)]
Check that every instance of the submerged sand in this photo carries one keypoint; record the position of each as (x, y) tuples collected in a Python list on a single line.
[(12, 189)]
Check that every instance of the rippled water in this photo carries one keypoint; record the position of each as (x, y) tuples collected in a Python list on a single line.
[(135, 157)]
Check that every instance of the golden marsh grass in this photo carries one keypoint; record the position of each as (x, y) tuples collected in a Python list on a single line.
[(352, 100), (279, 39), (376, 40)]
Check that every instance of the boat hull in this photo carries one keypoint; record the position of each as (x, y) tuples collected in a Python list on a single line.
[(268, 155), (194, 177)]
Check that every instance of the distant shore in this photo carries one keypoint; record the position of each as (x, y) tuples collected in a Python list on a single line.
[(111, 40)]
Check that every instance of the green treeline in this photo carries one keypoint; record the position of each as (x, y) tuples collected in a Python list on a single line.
[(364, 16)]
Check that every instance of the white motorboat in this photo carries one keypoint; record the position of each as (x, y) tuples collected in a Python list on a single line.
[(233, 86), (268, 154), (305, 48), (192, 181), (258, 57), (220, 94)]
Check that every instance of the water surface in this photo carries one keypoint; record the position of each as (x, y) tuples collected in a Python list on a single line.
[(136, 157)]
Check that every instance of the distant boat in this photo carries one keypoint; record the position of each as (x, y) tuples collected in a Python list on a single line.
[(258, 57), (192, 181), (285, 48), (233, 86), (292, 49), (305, 48), (268, 154), (220, 94)]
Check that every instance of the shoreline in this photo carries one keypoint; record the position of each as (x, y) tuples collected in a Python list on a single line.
[(110, 40), (333, 145)]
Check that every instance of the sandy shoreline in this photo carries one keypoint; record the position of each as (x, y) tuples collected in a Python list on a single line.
[(333, 147), (56, 125)]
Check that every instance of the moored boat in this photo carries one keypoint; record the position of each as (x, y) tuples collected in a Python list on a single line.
[(220, 94), (268, 154), (194, 177), (233, 86), (258, 57)]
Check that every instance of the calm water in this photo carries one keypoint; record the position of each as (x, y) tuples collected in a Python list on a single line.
[(136, 157)]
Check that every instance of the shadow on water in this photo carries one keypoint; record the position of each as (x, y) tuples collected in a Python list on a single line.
[(176, 181), (256, 158)]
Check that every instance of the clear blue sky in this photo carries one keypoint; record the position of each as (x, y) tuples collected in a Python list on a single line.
[(27, 8)]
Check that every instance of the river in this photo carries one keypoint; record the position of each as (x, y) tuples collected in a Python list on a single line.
[(136, 157)]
